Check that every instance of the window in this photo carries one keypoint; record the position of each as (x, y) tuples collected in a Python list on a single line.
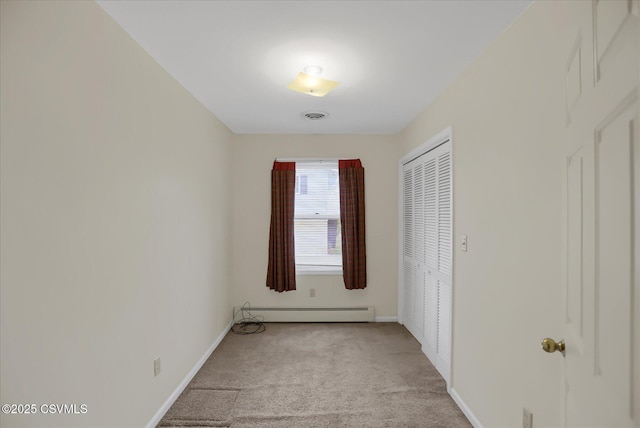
[(318, 239), (301, 184)]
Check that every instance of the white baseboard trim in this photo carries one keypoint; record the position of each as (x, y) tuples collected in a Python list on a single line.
[(386, 319), (176, 393), (466, 410)]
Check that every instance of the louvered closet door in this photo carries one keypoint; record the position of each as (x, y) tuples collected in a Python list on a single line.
[(427, 253), (442, 275), (408, 261), (414, 248), (431, 254)]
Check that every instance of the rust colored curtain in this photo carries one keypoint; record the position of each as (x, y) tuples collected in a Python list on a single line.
[(354, 254), (281, 272)]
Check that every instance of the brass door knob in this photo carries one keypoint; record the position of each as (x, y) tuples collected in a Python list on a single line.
[(550, 345)]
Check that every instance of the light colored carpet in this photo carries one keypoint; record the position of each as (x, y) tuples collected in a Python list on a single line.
[(317, 375)]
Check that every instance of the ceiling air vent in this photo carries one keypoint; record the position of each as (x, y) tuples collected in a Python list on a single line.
[(315, 115)]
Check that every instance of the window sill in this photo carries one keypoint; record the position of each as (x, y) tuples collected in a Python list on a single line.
[(306, 271)]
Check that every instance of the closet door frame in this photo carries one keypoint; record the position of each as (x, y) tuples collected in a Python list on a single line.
[(442, 137)]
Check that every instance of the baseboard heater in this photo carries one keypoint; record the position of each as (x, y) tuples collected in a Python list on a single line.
[(279, 314)]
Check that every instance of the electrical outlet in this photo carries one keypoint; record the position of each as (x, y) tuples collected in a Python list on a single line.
[(156, 366), (312, 292), (527, 418)]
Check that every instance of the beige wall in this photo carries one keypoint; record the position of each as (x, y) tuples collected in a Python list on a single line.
[(114, 220), (507, 113), (253, 158)]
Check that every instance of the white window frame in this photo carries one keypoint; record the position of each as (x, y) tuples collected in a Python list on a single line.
[(310, 270)]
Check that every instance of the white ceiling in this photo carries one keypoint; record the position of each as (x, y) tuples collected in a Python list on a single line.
[(392, 58)]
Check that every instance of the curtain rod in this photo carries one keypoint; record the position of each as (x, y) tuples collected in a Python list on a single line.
[(307, 159)]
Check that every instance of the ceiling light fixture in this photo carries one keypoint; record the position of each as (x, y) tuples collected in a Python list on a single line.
[(309, 82)]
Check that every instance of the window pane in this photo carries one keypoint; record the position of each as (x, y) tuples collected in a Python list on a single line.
[(318, 242), (318, 190), (317, 215)]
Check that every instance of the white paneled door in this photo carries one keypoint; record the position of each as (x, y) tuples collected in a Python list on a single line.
[(426, 282), (602, 293)]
